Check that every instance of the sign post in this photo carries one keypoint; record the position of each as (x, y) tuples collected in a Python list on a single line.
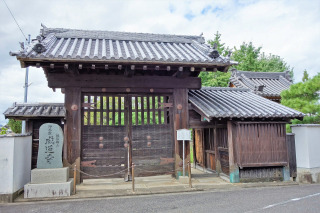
[(182, 135)]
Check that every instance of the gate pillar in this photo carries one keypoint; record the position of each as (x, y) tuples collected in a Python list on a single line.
[(181, 121), (73, 128)]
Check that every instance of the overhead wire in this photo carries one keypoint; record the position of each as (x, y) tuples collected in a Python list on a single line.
[(15, 20)]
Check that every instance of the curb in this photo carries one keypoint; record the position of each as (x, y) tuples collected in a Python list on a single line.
[(142, 191)]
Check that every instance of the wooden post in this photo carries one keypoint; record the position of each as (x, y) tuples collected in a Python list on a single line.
[(73, 125), (233, 167), (189, 173), (133, 177), (181, 121), (216, 149), (75, 178)]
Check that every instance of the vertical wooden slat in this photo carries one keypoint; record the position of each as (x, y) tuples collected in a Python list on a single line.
[(148, 110), (107, 110), (142, 110), (101, 110), (113, 110), (153, 110), (159, 110), (165, 116), (89, 111), (94, 111), (119, 110), (136, 110)]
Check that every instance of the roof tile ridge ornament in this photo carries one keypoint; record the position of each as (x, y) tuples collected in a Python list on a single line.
[(288, 76), (39, 47), (204, 49)]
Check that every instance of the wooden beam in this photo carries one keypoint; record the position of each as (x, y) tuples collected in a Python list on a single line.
[(192, 69), (80, 66), (52, 66), (54, 89), (168, 68), (62, 90), (203, 69), (180, 69), (57, 80), (93, 66), (119, 67), (106, 67), (37, 65), (124, 90), (66, 66), (145, 67), (157, 68), (184, 74), (132, 67)]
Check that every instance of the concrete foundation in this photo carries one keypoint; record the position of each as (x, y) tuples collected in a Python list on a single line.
[(58, 175), (48, 189)]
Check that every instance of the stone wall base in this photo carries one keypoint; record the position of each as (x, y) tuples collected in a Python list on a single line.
[(9, 198), (308, 175)]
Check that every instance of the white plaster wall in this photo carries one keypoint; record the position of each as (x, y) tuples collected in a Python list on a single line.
[(307, 138), (15, 163), (6, 165), (22, 162), (313, 133)]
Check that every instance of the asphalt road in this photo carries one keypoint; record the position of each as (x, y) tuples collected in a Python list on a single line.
[(302, 198)]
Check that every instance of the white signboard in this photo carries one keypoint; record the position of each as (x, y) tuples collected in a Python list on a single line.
[(183, 135)]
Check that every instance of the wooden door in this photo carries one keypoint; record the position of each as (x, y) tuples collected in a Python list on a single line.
[(104, 127), (152, 136)]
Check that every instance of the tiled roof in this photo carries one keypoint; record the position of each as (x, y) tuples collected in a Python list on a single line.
[(226, 102), (26, 110), (77, 45), (267, 84)]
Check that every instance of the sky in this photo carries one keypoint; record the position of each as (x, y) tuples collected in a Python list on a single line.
[(289, 29)]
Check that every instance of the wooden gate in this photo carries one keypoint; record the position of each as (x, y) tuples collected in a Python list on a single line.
[(109, 118)]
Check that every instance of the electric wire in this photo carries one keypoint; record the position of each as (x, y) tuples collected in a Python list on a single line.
[(15, 21)]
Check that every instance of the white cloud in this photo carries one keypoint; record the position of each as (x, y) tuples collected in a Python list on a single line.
[(290, 29)]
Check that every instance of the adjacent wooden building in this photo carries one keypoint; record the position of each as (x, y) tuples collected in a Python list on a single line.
[(240, 134), (265, 84)]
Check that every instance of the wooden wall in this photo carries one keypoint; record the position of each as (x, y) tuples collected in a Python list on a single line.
[(259, 144)]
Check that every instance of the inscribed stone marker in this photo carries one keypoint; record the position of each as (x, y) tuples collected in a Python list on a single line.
[(50, 146)]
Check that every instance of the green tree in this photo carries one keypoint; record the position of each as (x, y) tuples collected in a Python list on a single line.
[(249, 57), (3, 131), (304, 97), (220, 46), (305, 76), (15, 126), (216, 79)]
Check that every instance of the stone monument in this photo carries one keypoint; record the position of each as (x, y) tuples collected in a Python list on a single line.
[(50, 178)]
